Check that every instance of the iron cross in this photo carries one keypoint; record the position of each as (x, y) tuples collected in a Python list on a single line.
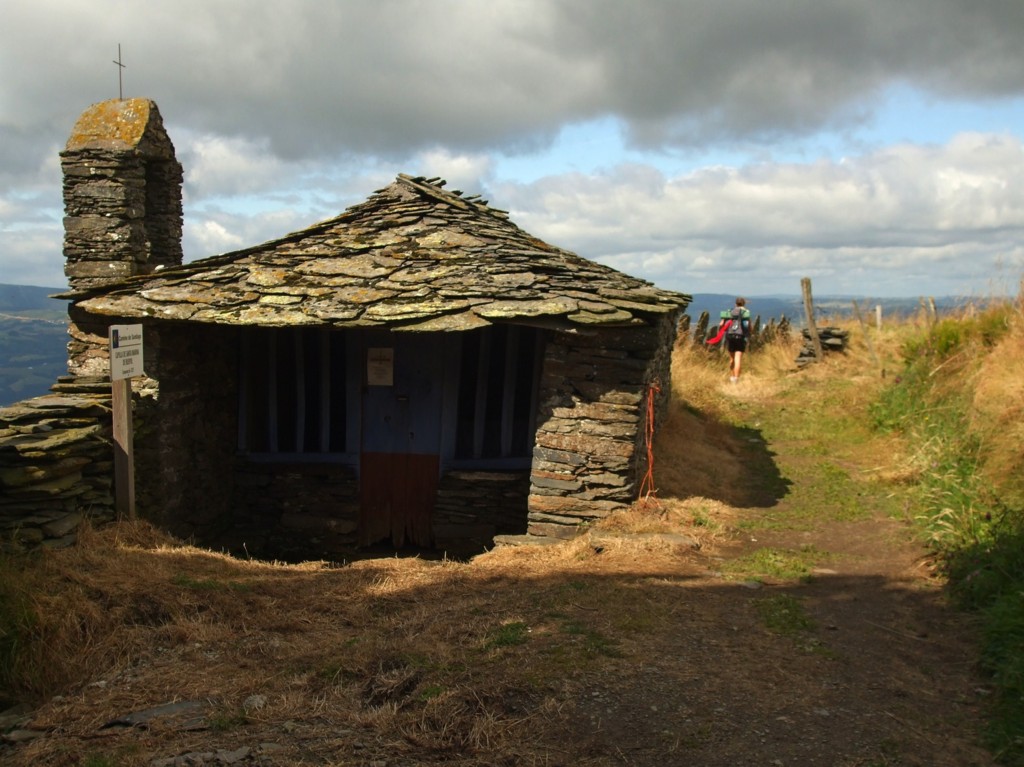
[(120, 69)]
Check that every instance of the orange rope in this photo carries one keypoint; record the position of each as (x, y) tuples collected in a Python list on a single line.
[(647, 490)]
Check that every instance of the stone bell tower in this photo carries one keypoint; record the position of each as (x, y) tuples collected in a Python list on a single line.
[(122, 194), (122, 212)]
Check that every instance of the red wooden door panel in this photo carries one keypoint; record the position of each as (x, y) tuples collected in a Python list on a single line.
[(397, 492)]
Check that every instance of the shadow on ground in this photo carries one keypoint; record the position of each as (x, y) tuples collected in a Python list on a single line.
[(697, 455), (636, 655)]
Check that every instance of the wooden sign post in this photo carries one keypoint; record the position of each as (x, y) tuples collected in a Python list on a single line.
[(125, 362)]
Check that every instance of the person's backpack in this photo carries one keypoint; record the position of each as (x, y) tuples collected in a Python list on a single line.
[(736, 329)]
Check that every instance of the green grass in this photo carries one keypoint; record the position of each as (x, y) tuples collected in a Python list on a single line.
[(224, 721), (783, 614), (775, 564), (953, 335), (593, 642), (430, 691), (977, 536), (819, 486), (507, 635), (98, 760), (208, 584)]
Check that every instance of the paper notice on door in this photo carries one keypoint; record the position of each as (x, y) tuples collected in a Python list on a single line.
[(380, 367)]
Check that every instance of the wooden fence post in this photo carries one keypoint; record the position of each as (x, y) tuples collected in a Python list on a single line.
[(812, 329), (928, 307), (867, 335)]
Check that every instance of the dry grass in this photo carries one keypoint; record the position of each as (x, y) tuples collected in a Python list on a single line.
[(441, 657), (702, 520), (700, 377), (467, 663), (998, 410)]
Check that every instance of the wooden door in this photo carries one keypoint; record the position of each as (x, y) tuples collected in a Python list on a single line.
[(401, 435)]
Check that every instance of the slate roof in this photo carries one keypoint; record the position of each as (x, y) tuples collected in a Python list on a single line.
[(412, 257)]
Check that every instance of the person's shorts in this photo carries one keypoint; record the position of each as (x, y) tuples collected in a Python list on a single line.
[(735, 344)]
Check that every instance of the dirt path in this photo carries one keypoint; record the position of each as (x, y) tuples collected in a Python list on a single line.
[(806, 629), (880, 673), (816, 634)]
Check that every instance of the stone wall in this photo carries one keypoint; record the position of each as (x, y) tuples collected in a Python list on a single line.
[(123, 217), (56, 456), (294, 511), (186, 428), (588, 457), (56, 469), (184, 419), (474, 506), (88, 347), (659, 372)]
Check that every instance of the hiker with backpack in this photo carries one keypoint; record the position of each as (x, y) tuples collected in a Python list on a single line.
[(736, 324)]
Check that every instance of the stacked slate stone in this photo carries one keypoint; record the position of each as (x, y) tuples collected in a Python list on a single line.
[(756, 338), (832, 340), (760, 335), (56, 464), (588, 453), (413, 257), (292, 512), (700, 334), (473, 508), (122, 194)]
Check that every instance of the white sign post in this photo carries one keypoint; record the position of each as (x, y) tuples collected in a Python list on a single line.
[(125, 363)]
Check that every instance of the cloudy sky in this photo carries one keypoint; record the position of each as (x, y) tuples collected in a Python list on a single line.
[(735, 146)]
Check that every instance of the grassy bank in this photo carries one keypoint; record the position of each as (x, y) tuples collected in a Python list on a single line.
[(958, 401), (941, 405)]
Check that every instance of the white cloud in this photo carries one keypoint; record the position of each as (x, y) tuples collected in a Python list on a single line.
[(952, 211), (218, 166), (462, 171), (213, 231), (284, 118), (212, 237), (34, 256)]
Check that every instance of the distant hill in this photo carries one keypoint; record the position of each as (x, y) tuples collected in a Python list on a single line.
[(33, 341), (765, 308), (825, 307), (32, 301)]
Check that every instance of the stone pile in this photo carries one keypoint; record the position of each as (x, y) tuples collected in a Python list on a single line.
[(772, 332), (832, 340), (56, 469)]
